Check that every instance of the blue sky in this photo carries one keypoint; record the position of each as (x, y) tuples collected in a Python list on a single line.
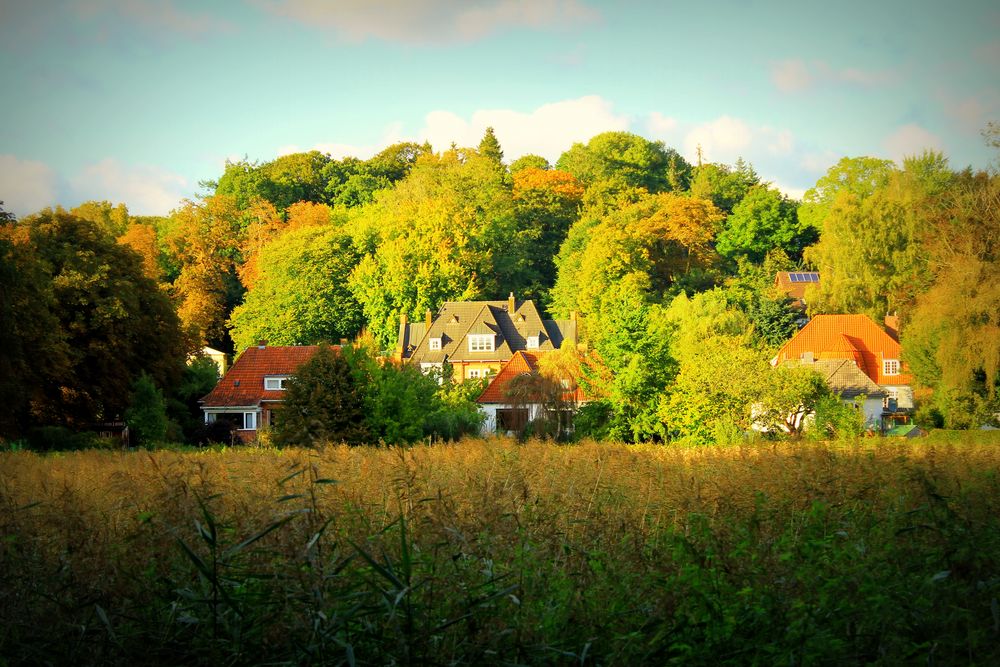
[(139, 100)]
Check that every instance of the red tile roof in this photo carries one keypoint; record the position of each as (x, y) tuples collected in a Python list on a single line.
[(796, 289), (243, 385), (522, 362), (855, 337)]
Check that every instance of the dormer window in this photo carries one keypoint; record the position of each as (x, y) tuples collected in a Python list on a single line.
[(890, 367), (276, 382), (435, 343), (481, 342), (532, 342)]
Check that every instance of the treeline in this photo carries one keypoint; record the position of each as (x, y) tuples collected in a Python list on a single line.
[(669, 265)]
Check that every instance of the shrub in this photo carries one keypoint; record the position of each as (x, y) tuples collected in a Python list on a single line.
[(147, 414)]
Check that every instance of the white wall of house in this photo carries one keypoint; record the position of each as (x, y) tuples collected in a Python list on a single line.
[(490, 411), (903, 394)]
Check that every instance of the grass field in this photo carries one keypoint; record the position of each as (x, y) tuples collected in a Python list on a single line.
[(500, 553)]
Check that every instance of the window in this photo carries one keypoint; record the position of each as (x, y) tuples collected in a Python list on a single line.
[(474, 373), (532, 342), (249, 421), (564, 383), (890, 367), (891, 399), (435, 344), (480, 342), (277, 383)]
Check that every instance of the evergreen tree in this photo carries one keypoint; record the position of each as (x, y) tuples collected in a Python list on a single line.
[(323, 404), (489, 147), (147, 414)]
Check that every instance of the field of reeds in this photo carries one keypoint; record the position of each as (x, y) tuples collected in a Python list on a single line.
[(494, 552)]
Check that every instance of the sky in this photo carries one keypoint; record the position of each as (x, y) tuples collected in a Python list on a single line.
[(138, 101)]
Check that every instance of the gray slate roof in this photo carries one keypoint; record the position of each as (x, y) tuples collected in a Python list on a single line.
[(456, 320), (843, 377)]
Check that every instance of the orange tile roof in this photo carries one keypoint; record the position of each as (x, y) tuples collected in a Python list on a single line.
[(243, 385), (522, 362), (855, 337)]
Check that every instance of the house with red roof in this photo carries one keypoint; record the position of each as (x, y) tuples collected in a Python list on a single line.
[(254, 387), (793, 284), (519, 394), (854, 351)]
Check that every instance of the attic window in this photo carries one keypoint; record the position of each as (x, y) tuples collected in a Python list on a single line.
[(454, 319), (276, 383), (532, 342), (481, 342), (435, 343), (890, 367), (520, 317)]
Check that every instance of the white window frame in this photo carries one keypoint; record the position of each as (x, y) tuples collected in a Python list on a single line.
[(890, 395), (532, 342), (482, 342), (281, 380), (434, 344), (473, 373), (890, 367), (249, 421)]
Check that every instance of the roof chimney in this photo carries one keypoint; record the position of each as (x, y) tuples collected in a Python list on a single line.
[(402, 320), (892, 326), (511, 304), (427, 320), (572, 316), (261, 344)]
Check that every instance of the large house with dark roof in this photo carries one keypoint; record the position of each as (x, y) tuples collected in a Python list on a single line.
[(248, 394), (857, 357), (477, 337)]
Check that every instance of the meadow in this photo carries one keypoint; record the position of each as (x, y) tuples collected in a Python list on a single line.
[(498, 552)]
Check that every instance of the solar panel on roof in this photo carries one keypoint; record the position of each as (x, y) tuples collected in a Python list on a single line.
[(803, 277)]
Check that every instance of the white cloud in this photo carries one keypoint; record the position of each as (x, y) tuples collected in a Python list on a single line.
[(790, 191), (430, 21), (910, 140), (393, 133), (26, 185), (661, 126), (145, 189), (547, 131), (722, 140), (795, 75), (791, 75)]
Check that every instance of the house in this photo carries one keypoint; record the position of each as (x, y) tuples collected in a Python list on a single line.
[(507, 414), (846, 379), (793, 285), (254, 387), (866, 346), (476, 338), (218, 357)]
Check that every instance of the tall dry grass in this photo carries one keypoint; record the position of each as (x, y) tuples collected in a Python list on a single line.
[(498, 552)]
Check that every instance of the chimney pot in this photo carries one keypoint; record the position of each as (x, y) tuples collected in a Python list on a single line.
[(261, 344), (511, 304), (427, 320)]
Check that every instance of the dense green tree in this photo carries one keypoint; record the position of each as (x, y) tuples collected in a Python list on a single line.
[(627, 160), (723, 186), (147, 412), (394, 162), (34, 345), (115, 322), (448, 231), (546, 203), (868, 252), (323, 404), (763, 220), (200, 376), (853, 179), (529, 160), (301, 296), (952, 338)]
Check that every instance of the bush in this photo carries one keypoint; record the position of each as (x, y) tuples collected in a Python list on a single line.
[(220, 431), (837, 420), (58, 438)]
